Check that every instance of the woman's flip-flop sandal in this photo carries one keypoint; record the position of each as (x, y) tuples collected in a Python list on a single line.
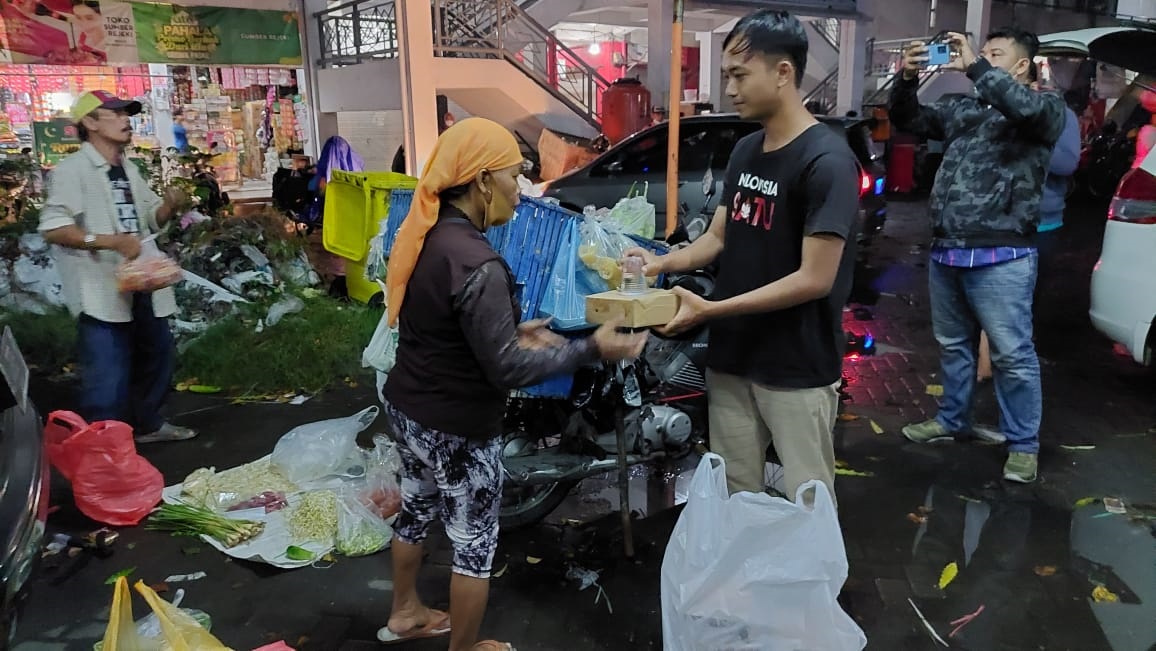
[(437, 626), (490, 645)]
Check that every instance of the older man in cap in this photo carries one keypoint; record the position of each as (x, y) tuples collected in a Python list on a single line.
[(98, 210)]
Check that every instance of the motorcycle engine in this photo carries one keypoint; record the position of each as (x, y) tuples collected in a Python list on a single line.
[(659, 427)]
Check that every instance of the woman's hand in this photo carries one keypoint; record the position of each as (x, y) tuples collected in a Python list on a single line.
[(536, 335), (616, 346)]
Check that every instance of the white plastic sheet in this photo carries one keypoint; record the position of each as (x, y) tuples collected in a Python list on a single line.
[(751, 572)]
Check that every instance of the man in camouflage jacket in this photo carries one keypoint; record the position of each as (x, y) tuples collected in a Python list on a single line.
[(985, 207)]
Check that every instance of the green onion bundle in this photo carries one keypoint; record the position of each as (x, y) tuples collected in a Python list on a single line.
[(188, 520)]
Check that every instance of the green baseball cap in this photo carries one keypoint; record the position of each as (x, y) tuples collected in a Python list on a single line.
[(97, 99)]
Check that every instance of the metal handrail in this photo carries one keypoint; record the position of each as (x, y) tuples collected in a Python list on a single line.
[(878, 96), (502, 29), (357, 31), (828, 28), (363, 30), (831, 78), (822, 92)]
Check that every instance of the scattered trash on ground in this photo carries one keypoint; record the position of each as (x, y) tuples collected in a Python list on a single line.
[(127, 572), (533, 560), (185, 578), (1045, 570), (935, 390), (916, 519), (1077, 448), (1085, 501), (847, 417), (964, 621), (587, 578), (1101, 594), (950, 571), (875, 427), (1115, 505), (927, 625)]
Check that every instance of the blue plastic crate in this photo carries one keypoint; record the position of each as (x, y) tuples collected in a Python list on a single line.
[(529, 243)]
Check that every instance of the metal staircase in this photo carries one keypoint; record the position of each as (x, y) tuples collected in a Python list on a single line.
[(886, 66), (365, 30), (823, 97), (501, 29)]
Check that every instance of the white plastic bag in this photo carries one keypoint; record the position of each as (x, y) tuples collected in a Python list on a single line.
[(751, 572), (316, 450), (381, 353)]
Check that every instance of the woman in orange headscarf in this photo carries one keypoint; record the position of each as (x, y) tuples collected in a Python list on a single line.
[(460, 351)]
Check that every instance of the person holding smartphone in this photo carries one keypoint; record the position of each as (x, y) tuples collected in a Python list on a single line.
[(985, 212)]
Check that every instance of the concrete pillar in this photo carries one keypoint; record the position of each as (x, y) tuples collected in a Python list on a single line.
[(710, 84), (324, 125), (978, 21), (659, 34), (418, 88), (852, 66)]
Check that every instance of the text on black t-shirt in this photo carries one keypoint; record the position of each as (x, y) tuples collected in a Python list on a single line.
[(773, 200)]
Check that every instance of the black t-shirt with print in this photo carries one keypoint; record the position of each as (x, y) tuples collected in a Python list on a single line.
[(122, 196), (774, 200)]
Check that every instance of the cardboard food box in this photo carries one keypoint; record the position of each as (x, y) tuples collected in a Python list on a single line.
[(655, 307)]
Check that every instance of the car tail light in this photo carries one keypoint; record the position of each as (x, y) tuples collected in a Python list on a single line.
[(865, 183), (1135, 200)]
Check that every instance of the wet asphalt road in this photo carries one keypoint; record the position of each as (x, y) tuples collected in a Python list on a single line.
[(1027, 555)]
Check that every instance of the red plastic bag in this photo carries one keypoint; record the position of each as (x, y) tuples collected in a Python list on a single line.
[(111, 483)]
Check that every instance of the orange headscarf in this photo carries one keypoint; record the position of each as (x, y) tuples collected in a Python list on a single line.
[(462, 151)]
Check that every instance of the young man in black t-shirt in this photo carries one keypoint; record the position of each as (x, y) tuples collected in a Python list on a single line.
[(783, 238)]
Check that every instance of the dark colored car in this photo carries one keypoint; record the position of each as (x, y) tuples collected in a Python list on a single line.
[(23, 490), (706, 142)]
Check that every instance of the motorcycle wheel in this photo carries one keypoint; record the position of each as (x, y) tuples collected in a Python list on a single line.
[(524, 506)]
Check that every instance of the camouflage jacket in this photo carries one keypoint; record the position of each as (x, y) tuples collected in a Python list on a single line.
[(997, 145)]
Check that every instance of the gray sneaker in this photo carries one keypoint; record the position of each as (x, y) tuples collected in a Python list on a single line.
[(1021, 467), (168, 433), (928, 432)]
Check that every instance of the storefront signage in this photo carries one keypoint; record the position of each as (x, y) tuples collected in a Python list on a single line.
[(103, 32), (55, 140)]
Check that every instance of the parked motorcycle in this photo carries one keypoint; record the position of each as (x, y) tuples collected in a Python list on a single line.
[(553, 444)]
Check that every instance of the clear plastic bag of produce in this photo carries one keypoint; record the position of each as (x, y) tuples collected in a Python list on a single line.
[(381, 493), (150, 271), (634, 215), (360, 532), (315, 450), (570, 283), (601, 248)]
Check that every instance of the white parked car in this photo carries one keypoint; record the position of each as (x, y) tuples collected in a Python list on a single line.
[(1124, 280)]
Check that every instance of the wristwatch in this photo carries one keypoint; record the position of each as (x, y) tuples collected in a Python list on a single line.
[(89, 241)]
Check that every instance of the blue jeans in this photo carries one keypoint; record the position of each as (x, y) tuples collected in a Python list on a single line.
[(126, 368), (998, 300)]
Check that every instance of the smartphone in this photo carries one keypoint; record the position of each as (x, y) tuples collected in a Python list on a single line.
[(938, 54)]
